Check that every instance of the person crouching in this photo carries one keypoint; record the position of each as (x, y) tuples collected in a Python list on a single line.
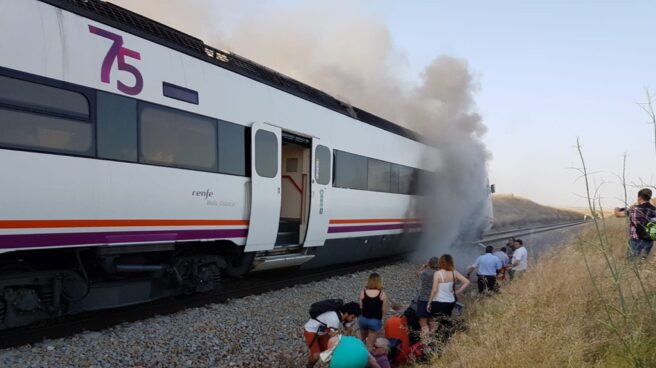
[(318, 331)]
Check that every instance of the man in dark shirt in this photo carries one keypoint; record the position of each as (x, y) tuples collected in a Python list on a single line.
[(639, 242)]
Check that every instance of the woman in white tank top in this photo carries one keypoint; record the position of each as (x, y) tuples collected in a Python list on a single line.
[(443, 294)]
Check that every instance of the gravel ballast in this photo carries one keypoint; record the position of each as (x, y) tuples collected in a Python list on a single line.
[(257, 331)]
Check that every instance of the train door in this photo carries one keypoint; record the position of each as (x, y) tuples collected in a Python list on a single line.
[(295, 165), (319, 218), (265, 187)]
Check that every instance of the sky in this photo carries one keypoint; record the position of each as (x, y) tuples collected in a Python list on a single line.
[(546, 73)]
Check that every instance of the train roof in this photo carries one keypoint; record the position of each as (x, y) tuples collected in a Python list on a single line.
[(154, 31)]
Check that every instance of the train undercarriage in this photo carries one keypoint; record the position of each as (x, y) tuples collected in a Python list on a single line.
[(87, 279)]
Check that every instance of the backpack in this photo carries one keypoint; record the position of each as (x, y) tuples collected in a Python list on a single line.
[(323, 306), (650, 228)]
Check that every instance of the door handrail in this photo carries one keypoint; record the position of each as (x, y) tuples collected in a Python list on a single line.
[(298, 187)]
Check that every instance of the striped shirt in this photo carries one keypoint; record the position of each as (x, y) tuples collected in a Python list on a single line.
[(638, 216)]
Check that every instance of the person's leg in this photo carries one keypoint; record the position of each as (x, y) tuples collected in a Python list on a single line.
[(423, 322), (362, 324), (648, 246), (491, 283), (634, 248), (645, 248), (481, 284), (312, 341), (371, 340)]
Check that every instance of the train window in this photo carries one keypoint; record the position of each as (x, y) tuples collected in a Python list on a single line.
[(116, 127), (232, 148), (322, 159), (378, 175), (44, 118), (394, 178), (266, 154), (175, 138), (407, 177), (21, 129), (350, 171), (40, 98)]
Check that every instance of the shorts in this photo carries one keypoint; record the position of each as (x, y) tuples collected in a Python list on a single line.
[(442, 309), (421, 309), (318, 344), (372, 324), (438, 309)]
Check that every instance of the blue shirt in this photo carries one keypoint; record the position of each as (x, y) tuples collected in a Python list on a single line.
[(505, 260), (487, 264)]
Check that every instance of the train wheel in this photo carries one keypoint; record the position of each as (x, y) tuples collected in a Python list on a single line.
[(239, 265), (198, 273)]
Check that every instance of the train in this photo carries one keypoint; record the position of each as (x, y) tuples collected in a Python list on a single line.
[(139, 162)]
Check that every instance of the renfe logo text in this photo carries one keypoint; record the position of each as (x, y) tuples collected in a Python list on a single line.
[(205, 194)]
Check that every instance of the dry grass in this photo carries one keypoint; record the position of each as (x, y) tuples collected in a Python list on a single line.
[(513, 211), (561, 315)]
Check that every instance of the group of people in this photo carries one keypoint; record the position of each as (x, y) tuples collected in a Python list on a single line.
[(428, 315), (322, 332), (494, 265)]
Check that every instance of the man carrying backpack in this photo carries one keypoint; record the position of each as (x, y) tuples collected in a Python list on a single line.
[(326, 318), (642, 227)]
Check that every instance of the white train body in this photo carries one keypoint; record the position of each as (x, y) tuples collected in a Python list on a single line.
[(112, 202), (129, 148)]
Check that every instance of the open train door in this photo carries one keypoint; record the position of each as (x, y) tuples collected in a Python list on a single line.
[(265, 187), (319, 194)]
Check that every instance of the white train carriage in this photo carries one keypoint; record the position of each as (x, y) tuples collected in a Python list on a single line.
[(138, 162)]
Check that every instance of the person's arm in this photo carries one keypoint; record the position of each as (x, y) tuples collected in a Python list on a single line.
[(421, 269), (385, 300), (515, 260), (470, 269), (372, 362), (436, 283), (361, 299), (463, 280)]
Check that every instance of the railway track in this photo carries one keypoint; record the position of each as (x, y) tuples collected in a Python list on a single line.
[(506, 234), (253, 284)]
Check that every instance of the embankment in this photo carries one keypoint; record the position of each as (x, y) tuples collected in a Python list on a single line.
[(582, 305), (516, 212)]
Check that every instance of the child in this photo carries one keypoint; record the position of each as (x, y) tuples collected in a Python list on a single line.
[(381, 352), (373, 302)]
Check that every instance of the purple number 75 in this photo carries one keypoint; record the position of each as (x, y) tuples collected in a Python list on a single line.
[(119, 53)]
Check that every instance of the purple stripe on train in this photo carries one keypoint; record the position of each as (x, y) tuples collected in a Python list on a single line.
[(66, 239), (349, 229)]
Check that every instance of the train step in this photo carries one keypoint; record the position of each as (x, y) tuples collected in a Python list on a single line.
[(287, 238), (280, 261)]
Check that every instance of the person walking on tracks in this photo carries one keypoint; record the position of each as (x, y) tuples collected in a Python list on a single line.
[(642, 225), (373, 302), (488, 266), (326, 318)]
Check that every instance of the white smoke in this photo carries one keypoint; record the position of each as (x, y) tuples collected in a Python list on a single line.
[(333, 47)]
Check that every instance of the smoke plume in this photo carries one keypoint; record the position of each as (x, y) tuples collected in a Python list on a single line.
[(336, 48)]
